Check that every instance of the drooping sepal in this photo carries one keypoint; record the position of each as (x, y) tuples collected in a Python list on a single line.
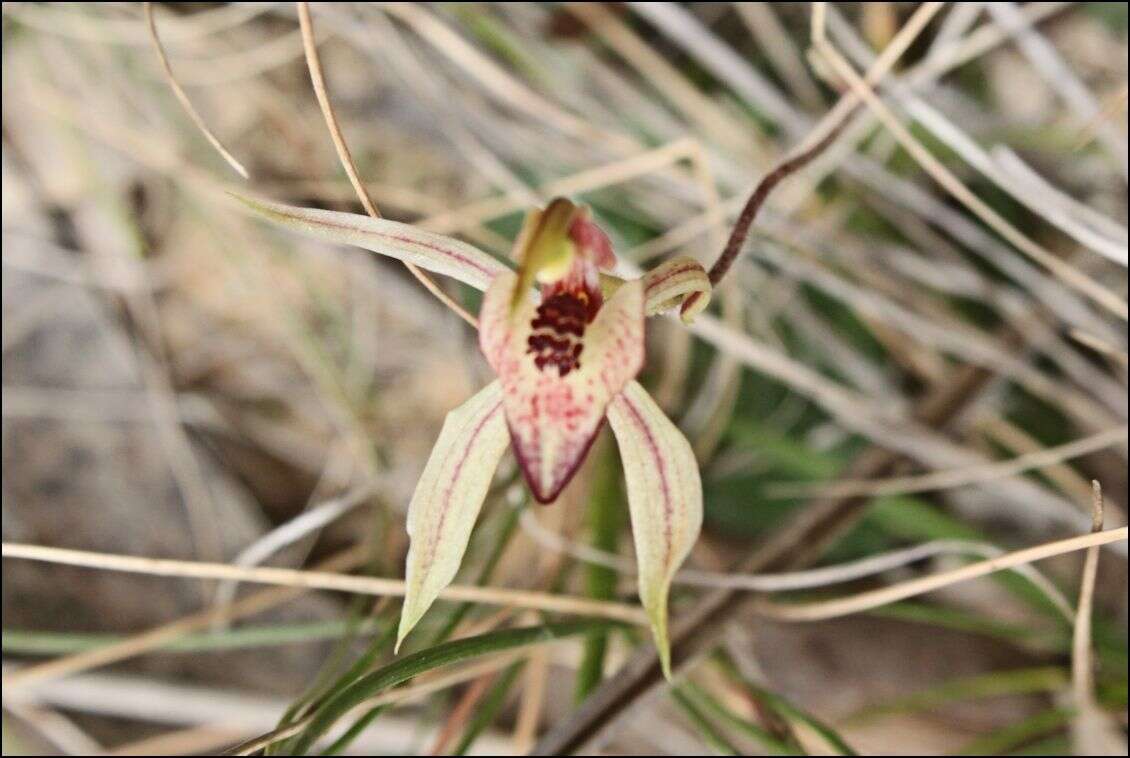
[(448, 498), (430, 251), (664, 499)]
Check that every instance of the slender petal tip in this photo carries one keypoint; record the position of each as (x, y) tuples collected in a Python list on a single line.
[(664, 499), (448, 498)]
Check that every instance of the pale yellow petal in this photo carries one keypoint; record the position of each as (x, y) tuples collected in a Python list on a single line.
[(448, 498), (664, 499), (430, 251)]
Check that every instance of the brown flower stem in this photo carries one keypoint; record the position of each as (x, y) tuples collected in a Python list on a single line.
[(761, 193)]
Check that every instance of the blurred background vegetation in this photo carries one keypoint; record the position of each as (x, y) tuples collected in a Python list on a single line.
[(182, 381)]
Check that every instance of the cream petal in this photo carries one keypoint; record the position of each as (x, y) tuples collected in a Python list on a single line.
[(448, 498), (553, 418), (664, 499), (430, 251)]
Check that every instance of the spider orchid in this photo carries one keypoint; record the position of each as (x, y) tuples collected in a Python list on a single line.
[(566, 339)]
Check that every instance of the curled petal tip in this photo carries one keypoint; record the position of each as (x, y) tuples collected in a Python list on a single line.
[(679, 282), (695, 304)]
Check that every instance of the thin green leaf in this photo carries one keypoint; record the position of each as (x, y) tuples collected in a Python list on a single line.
[(1051, 639), (1016, 735), (765, 738), (606, 519), (497, 539), (1015, 682), (415, 664), (784, 708), (709, 733), (338, 746)]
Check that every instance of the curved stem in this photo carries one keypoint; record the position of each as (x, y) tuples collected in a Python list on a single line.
[(761, 193), (758, 197)]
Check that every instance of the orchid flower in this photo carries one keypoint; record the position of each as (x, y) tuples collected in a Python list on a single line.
[(566, 339)]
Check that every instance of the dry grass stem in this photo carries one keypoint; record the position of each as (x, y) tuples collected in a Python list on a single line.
[(322, 580), (309, 45), (182, 97), (864, 601)]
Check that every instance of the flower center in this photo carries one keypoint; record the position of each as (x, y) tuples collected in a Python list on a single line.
[(559, 330), (563, 251)]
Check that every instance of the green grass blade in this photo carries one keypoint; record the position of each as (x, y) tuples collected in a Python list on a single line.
[(1016, 682), (1016, 735), (418, 663), (606, 511), (764, 737), (784, 708), (498, 543), (709, 733), (338, 746)]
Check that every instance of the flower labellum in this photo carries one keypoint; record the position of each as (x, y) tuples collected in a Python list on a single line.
[(562, 359), (566, 339)]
